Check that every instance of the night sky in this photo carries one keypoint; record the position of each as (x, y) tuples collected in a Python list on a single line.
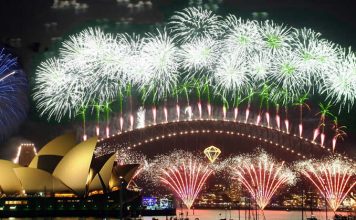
[(31, 27)]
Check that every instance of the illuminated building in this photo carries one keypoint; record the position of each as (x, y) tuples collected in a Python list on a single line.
[(234, 192), (64, 174), (25, 154)]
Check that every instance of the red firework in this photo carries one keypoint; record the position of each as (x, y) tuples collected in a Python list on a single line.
[(334, 178), (261, 175), (186, 180)]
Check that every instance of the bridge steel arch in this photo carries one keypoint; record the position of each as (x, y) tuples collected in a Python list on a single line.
[(299, 147)]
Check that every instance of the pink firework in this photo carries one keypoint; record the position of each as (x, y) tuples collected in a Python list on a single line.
[(186, 179), (261, 175), (334, 178)]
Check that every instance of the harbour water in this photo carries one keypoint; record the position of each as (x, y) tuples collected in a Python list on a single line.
[(218, 215), (234, 214)]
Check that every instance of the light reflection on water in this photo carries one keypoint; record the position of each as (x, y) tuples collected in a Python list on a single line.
[(269, 214), (221, 214)]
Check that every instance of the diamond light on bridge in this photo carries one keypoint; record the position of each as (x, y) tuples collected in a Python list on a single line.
[(212, 153)]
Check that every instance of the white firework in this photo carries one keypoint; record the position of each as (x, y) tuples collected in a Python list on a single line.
[(193, 24), (288, 80), (126, 156), (341, 85), (58, 93), (241, 35), (317, 56), (84, 50), (115, 57), (232, 55), (137, 65), (91, 54), (199, 57), (260, 64), (232, 75), (111, 69), (276, 37), (161, 55)]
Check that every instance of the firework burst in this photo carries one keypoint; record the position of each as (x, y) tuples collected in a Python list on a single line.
[(58, 93), (286, 75), (232, 76), (316, 56), (241, 36), (186, 179), (160, 53), (261, 175), (276, 37), (13, 94), (199, 57), (334, 178), (193, 24), (341, 85), (183, 172), (83, 50), (260, 64)]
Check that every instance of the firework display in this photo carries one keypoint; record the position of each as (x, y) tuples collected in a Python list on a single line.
[(261, 175), (333, 177), (197, 56), (13, 94), (185, 174)]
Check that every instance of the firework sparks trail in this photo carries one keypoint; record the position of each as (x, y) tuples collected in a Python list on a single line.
[(224, 112), (200, 109), (186, 180), (286, 122), (278, 121), (339, 133), (178, 111), (236, 113), (154, 114), (209, 110), (268, 119), (334, 178), (258, 119), (141, 117), (247, 113), (131, 122), (316, 134), (165, 110), (121, 123), (189, 112), (262, 176)]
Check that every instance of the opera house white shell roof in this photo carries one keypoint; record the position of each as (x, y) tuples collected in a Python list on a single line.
[(61, 166)]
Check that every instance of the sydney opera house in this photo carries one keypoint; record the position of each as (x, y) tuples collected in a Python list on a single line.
[(65, 176)]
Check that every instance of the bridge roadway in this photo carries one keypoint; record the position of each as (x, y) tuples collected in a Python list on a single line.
[(298, 148)]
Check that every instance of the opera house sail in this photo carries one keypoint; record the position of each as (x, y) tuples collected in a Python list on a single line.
[(65, 178)]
